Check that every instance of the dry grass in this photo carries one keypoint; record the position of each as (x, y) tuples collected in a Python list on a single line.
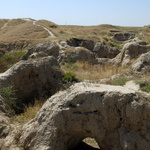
[(16, 22), (2, 22), (24, 31), (8, 59), (47, 24), (29, 113), (21, 30), (86, 71)]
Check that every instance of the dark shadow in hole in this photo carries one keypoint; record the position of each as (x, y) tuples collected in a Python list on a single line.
[(84, 146)]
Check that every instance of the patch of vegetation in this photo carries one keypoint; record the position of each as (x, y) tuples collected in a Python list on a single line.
[(106, 39), (144, 85), (71, 65), (115, 44), (112, 43), (86, 71), (29, 112), (146, 88), (69, 77), (140, 82), (120, 81), (8, 59), (8, 94)]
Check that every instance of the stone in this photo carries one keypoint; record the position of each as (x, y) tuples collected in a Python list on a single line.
[(137, 40), (118, 118), (130, 51), (50, 49), (74, 42), (38, 55), (63, 44), (123, 36), (3, 105), (80, 54), (9, 133), (103, 51), (135, 49), (4, 126), (28, 53), (103, 61), (33, 78), (5, 123), (42, 50), (142, 63)]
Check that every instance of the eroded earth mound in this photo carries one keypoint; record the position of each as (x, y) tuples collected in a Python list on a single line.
[(117, 117), (33, 78)]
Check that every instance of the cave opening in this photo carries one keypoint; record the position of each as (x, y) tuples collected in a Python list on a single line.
[(87, 144)]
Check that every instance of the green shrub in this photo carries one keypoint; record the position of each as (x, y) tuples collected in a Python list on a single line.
[(69, 77), (8, 94), (144, 85), (119, 81), (146, 88)]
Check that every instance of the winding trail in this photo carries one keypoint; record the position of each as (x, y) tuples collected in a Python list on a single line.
[(46, 29), (50, 33), (5, 25)]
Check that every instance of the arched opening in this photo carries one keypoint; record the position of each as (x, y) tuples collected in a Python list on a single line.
[(88, 144)]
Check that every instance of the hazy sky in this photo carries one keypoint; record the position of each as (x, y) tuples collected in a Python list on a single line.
[(80, 12)]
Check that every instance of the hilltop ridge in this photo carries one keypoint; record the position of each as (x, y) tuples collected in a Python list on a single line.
[(28, 32)]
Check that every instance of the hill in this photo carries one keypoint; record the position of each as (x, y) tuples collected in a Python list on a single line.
[(63, 85), (24, 33)]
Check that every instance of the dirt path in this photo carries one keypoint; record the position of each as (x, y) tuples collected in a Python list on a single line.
[(50, 33), (5, 25), (34, 23)]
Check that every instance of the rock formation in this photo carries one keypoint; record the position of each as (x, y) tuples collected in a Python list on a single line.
[(103, 51), (89, 44), (137, 40), (123, 36), (3, 105), (130, 50), (42, 50), (117, 117), (80, 54), (5, 128), (5, 125), (34, 78), (142, 63)]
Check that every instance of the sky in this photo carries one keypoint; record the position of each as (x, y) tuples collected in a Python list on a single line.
[(80, 12)]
